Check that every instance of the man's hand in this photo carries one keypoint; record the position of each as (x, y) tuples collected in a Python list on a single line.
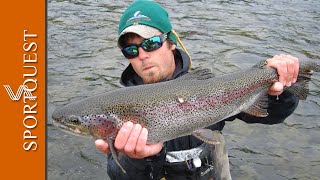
[(288, 68), (131, 140)]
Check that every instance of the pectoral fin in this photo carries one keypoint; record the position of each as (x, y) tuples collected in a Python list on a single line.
[(115, 154), (206, 135)]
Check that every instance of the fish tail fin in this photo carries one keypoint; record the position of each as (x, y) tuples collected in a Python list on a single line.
[(221, 158), (301, 87)]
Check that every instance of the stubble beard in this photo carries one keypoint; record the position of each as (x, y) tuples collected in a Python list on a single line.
[(152, 77)]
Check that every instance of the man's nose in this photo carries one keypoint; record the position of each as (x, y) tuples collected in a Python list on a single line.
[(143, 54)]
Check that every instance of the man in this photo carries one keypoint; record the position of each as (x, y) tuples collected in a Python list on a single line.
[(146, 39)]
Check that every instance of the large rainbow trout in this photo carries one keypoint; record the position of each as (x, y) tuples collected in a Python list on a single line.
[(178, 107)]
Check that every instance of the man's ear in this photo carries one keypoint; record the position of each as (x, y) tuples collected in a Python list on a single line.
[(173, 47)]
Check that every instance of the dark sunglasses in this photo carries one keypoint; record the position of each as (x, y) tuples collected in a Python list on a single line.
[(151, 44)]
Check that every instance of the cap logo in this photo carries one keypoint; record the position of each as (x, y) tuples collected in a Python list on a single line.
[(138, 17)]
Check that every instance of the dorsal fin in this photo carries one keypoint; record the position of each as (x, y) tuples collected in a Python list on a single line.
[(199, 73), (259, 108)]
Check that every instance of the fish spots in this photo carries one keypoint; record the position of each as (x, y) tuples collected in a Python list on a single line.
[(101, 126)]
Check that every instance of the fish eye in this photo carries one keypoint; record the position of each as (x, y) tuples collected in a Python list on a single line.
[(73, 118)]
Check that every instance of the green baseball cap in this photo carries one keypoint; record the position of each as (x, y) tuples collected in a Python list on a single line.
[(145, 18)]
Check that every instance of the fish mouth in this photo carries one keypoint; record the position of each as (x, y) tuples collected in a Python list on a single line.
[(70, 128), (64, 127)]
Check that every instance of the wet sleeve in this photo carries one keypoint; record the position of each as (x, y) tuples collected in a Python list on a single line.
[(147, 168), (279, 109)]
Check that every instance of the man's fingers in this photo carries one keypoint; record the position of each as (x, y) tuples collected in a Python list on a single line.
[(296, 68), (132, 140), (287, 68), (142, 141), (280, 66), (153, 149), (123, 135), (290, 74), (283, 72)]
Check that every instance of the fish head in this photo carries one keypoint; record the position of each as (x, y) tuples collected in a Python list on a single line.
[(102, 126), (72, 123)]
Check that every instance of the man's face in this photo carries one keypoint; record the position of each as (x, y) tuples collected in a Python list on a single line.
[(153, 66)]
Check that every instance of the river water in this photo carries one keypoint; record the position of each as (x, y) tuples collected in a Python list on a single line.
[(223, 35)]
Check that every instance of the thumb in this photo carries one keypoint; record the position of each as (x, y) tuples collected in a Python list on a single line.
[(102, 146), (276, 89)]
